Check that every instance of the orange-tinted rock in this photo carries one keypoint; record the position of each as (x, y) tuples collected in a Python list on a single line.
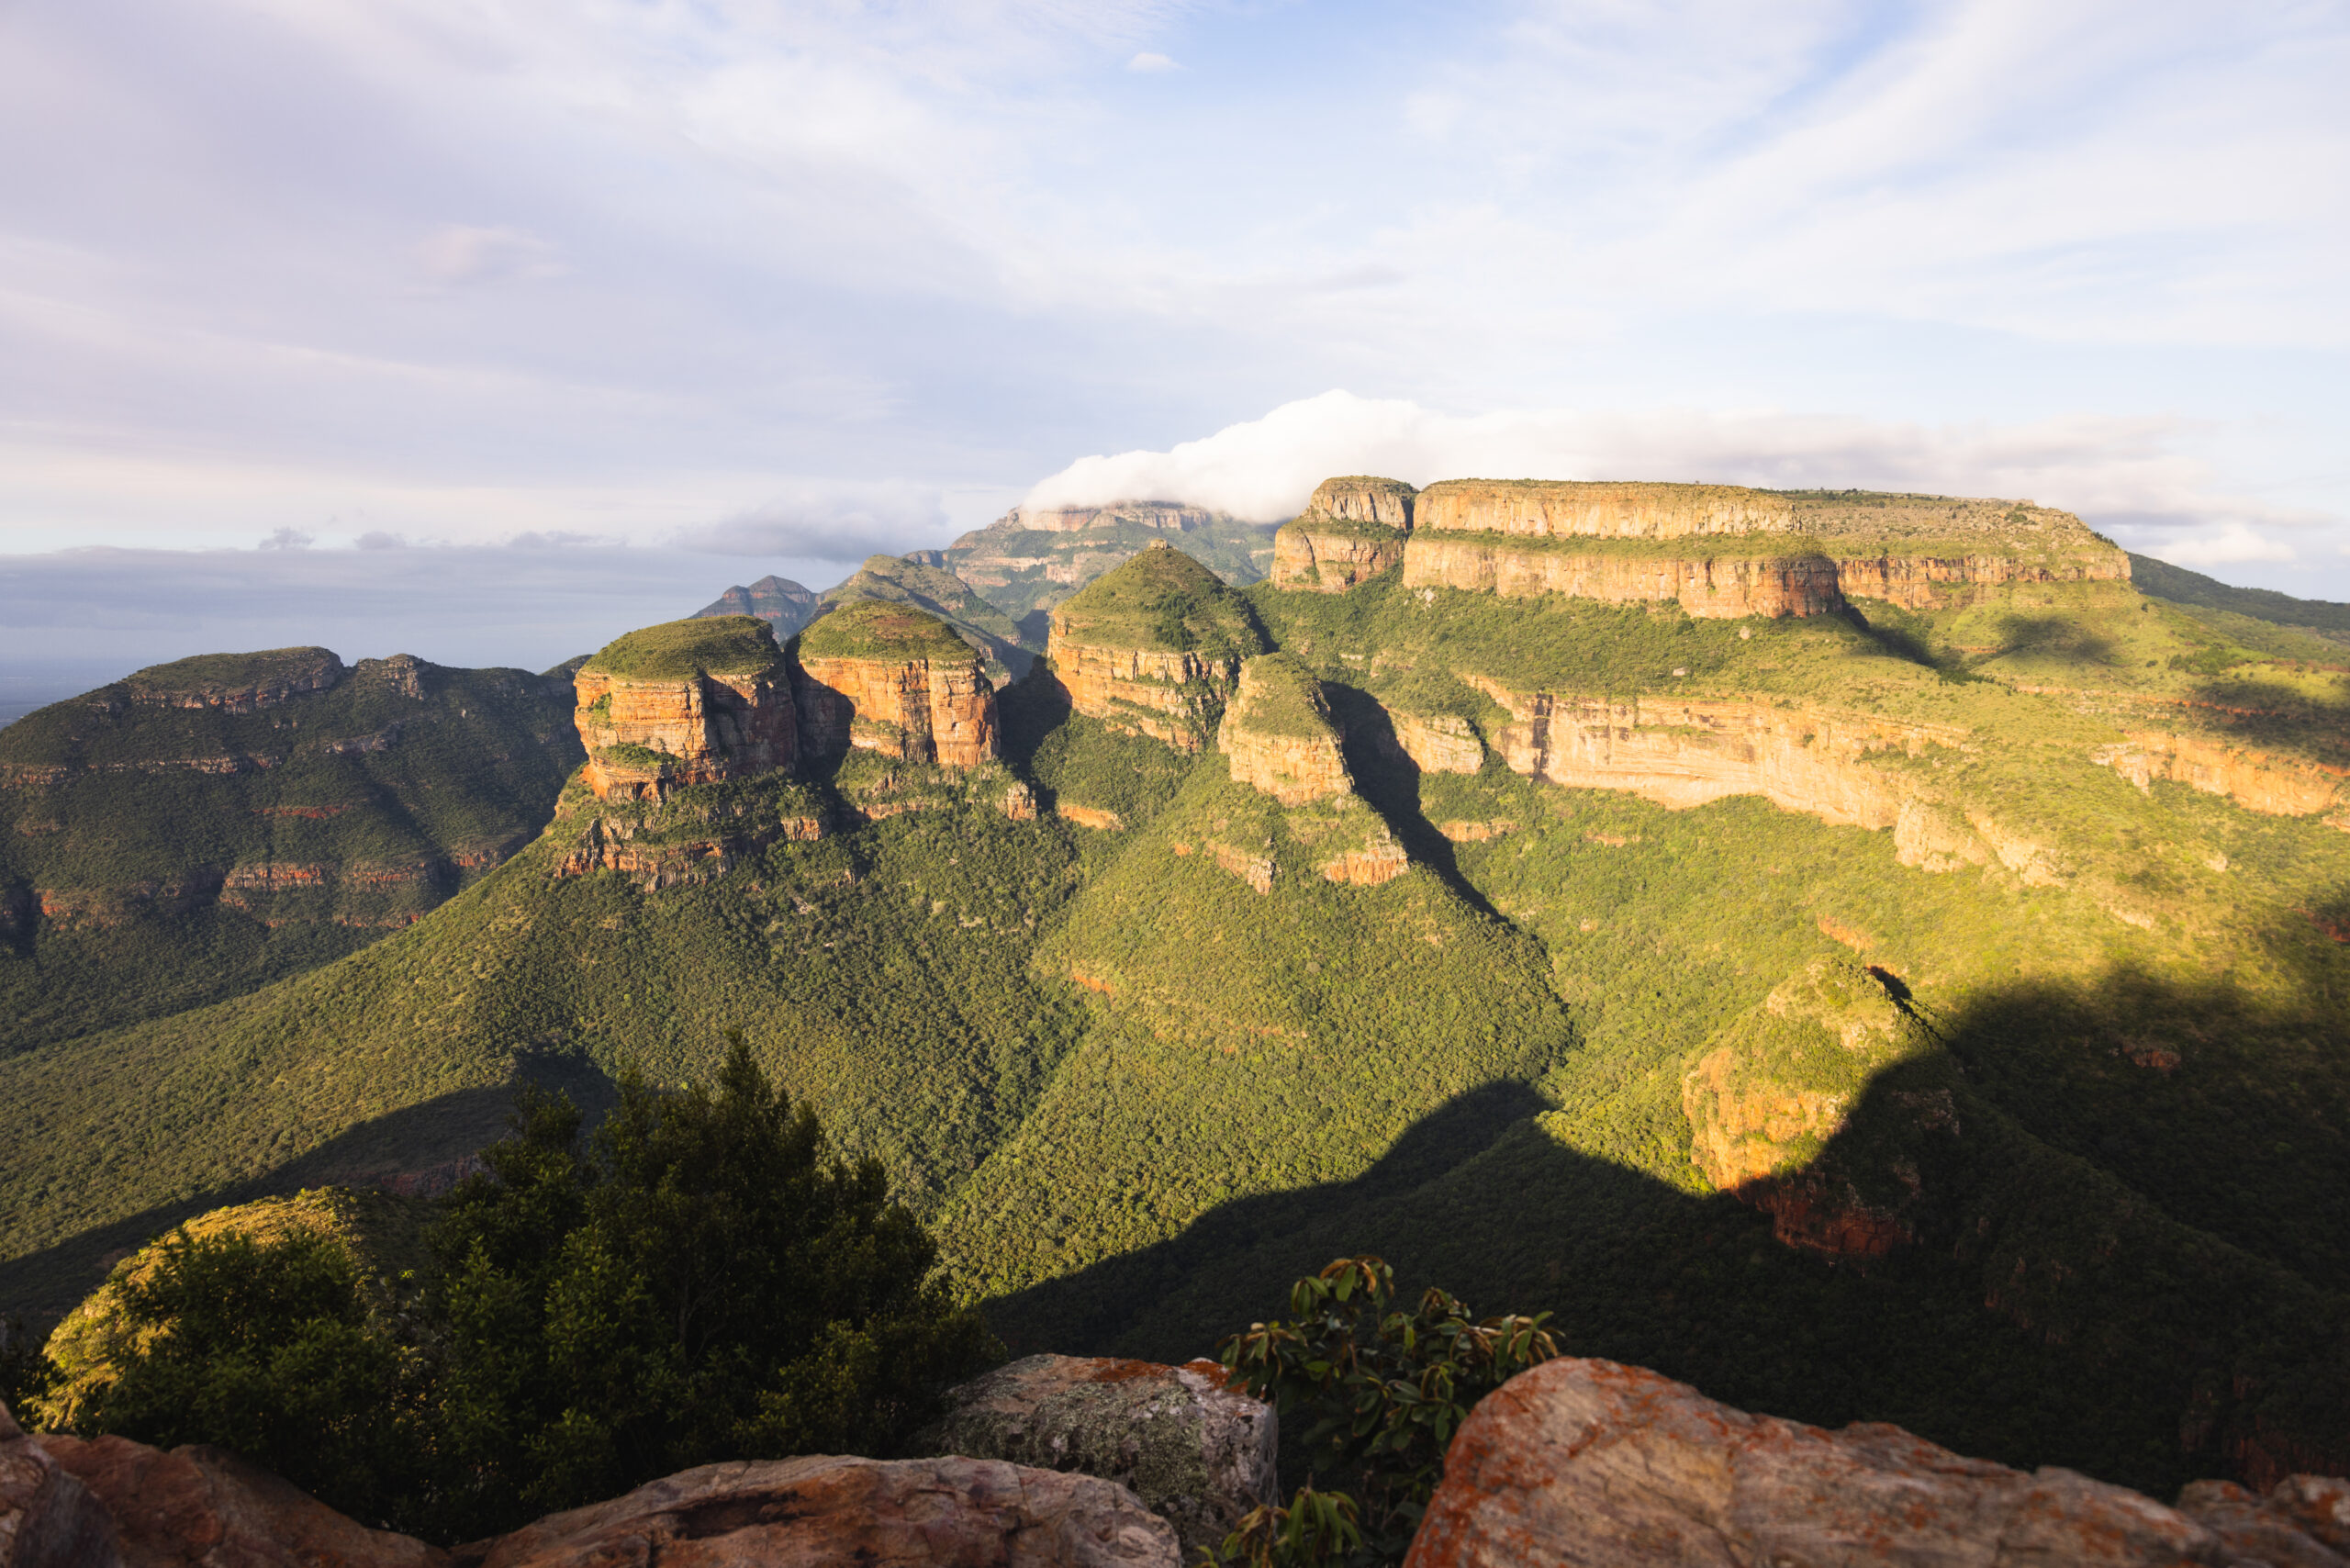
[(1709, 587), (2275, 1530), (689, 702), (1592, 1463), (1198, 1454), (1360, 497), (1315, 552), (1256, 870), (1279, 737), (1562, 509), (1468, 832), (1685, 752), (916, 710), (1145, 691), (822, 1510), (1441, 743), (1932, 582), (1094, 817), (1380, 860), (48, 1518), (201, 1507), (1154, 648), (2257, 780)]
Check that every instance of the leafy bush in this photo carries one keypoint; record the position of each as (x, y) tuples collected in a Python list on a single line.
[(1387, 1391)]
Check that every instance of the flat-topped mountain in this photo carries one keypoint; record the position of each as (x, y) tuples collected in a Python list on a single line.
[(1029, 560), (200, 828), (1950, 969), (692, 701)]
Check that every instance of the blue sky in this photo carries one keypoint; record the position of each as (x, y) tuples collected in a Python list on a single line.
[(611, 303)]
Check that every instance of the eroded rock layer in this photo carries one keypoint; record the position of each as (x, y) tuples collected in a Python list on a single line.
[(1279, 737), (889, 678), (1716, 587), (1154, 648), (677, 705)]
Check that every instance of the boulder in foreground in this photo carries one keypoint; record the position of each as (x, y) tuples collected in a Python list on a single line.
[(1589, 1463), (799, 1513), (47, 1519), (1196, 1453)]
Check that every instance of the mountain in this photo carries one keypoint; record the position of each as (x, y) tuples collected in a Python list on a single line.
[(1031, 558), (203, 828), (1853, 953), (932, 588), (780, 603), (2274, 623)]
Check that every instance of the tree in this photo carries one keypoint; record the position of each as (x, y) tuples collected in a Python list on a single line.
[(1387, 1391), (701, 1280)]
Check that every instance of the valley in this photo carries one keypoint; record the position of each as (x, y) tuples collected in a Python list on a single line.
[(1858, 954)]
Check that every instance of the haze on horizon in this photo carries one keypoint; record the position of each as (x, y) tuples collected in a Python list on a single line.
[(510, 326)]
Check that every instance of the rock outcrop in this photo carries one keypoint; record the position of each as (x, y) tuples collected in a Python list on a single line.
[(2257, 780), (890, 679), (1033, 557), (1278, 733), (687, 702), (236, 683), (1154, 648), (2304, 1522), (937, 591), (201, 1507), (1719, 551), (1198, 1454), (48, 1518), (783, 604), (1352, 530), (820, 1511), (1596, 1464)]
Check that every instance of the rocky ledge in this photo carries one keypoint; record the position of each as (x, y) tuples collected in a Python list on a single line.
[(890, 679), (1352, 529), (687, 702), (1154, 648)]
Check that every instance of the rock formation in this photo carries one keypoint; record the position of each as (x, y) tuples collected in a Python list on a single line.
[(2304, 1522), (1154, 648), (1197, 1454), (937, 591), (686, 702), (1034, 557), (783, 604), (48, 1518), (1719, 551), (893, 680), (1278, 733), (236, 683), (821, 1510), (1592, 1463), (1352, 529)]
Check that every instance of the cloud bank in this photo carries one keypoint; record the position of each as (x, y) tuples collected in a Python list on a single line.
[(2128, 476)]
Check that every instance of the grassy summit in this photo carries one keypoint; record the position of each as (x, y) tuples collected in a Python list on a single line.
[(880, 629), (937, 591), (231, 672), (1279, 696), (675, 650), (1164, 601)]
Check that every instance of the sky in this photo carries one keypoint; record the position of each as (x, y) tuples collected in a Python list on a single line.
[(487, 329)]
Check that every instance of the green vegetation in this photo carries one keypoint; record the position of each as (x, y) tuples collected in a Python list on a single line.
[(1023, 571), (2178, 585), (2073, 1163), (1162, 600), (1387, 1390), (679, 650), (701, 1280), (1326, 525), (230, 672), (1279, 696), (939, 592), (155, 858), (881, 629)]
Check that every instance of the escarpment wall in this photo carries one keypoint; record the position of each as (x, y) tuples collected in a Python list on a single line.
[(1318, 552), (1926, 582), (932, 710), (1579, 510), (1171, 697), (706, 727), (1717, 587)]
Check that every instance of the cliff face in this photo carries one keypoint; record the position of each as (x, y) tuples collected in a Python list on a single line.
[(676, 705), (1352, 530), (937, 591), (1933, 582), (1154, 648), (1279, 737), (1547, 509), (1717, 587), (890, 679)]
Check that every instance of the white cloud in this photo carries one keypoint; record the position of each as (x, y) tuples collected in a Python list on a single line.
[(1149, 63), (827, 524), (2128, 474), (2234, 544)]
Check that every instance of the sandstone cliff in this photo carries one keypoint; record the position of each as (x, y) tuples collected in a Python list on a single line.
[(890, 679), (1032, 558), (1706, 586), (1154, 648), (937, 591), (1278, 737), (1352, 529), (687, 702)]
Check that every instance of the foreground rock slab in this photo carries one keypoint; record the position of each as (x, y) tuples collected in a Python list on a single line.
[(1195, 1453), (1589, 1463), (2303, 1523), (47, 1519), (799, 1513), (201, 1507)]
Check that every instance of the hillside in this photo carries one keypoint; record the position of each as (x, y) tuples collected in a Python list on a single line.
[(937, 592), (783, 604), (203, 828), (1030, 559), (1854, 953)]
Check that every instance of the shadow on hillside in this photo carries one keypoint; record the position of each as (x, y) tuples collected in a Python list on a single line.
[(1972, 1256), (1387, 777), (428, 1141), (2270, 713)]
